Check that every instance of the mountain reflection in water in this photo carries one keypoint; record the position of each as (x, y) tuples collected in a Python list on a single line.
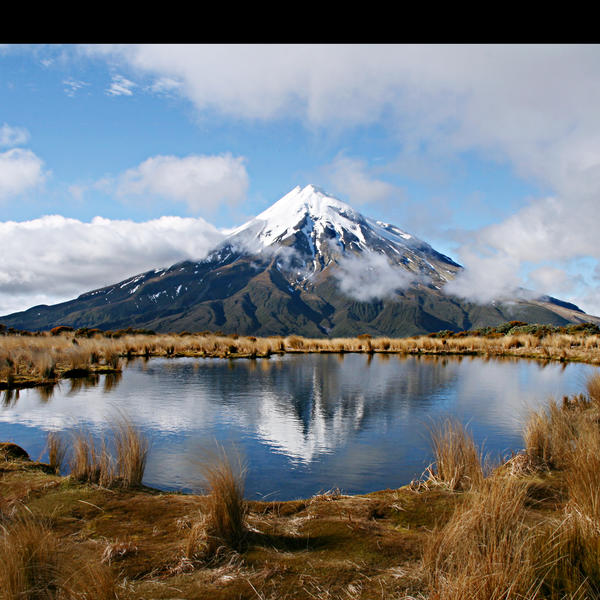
[(305, 422)]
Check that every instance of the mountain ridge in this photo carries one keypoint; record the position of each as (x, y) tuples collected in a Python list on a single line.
[(309, 264)]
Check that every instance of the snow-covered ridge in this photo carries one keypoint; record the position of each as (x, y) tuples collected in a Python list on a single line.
[(319, 215)]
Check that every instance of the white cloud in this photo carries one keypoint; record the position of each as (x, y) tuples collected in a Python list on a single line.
[(370, 276), (351, 177), (202, 182), (515, 252), (13, 136), (120, 86), (20, 170), (72, 86), (66, 257)]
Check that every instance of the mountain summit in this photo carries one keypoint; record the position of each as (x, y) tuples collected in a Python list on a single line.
[(321, 231), (309, 264)]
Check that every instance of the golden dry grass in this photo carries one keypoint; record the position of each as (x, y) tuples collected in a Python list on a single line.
[(223, 523), (458, 461), (132, 449), (36, 565), (95, 464), (57, 451), (27, 359), (29, 561), (487, 551)]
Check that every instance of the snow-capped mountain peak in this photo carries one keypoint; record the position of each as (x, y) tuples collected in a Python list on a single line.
[(321, 229), (301, 207)]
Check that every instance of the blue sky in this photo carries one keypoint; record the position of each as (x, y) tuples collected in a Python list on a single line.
[(489, 153)]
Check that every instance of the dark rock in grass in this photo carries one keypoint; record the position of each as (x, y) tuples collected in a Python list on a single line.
[(12, 451)]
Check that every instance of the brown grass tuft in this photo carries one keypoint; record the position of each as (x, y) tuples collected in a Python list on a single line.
[(549, 434), (458, 462), (224, 521), (486, 551), (88, 581), (132, 449), (57, 451), (593, 389), (90, 464), (28, 555)]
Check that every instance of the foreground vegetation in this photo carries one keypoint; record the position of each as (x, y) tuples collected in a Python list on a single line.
[(526, 529), (41, 359)]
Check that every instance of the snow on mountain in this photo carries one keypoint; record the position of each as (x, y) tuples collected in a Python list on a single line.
[(322, 230), (310, 264)]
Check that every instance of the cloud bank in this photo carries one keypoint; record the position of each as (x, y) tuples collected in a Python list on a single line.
[(53, 259)]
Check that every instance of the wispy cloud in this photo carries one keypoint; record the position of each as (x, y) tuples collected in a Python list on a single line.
[(370, 276), (72, 86), (13, 136), (121, 86), (352, 178)]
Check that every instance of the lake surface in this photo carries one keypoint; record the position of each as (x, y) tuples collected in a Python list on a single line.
[(306, 423)]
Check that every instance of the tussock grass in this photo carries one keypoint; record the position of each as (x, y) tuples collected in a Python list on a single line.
[(583, 477), (223, 523), (556, 436), (88, 463), (487, 550), (132, 449), (97, 465), (29, 561), (88, 581), (493, 547), (458, 461), (36, 566), (44, 357), (593, 389), (57, 451), (550, 433)]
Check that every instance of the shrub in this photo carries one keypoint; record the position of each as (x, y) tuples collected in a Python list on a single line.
[(60, 329)]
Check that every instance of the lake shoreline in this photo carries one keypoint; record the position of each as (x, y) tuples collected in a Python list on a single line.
[(31, 361)]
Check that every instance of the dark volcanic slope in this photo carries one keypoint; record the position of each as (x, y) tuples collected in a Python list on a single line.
[(280, 273)]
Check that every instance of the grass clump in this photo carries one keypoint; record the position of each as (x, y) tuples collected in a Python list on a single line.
[(223, 523), (457, 459), (90, 464), (57, 451), (29, 559), (486, 551), (125, 469), (132, 449)]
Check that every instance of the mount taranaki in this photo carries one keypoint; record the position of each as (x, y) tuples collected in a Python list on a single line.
[(309, 265)]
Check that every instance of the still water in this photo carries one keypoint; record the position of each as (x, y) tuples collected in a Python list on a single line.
[(305, 423)]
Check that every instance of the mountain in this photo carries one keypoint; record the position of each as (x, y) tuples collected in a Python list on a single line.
[(311, 265)]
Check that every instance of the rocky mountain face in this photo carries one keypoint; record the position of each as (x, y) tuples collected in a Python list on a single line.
[(310, 265)]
